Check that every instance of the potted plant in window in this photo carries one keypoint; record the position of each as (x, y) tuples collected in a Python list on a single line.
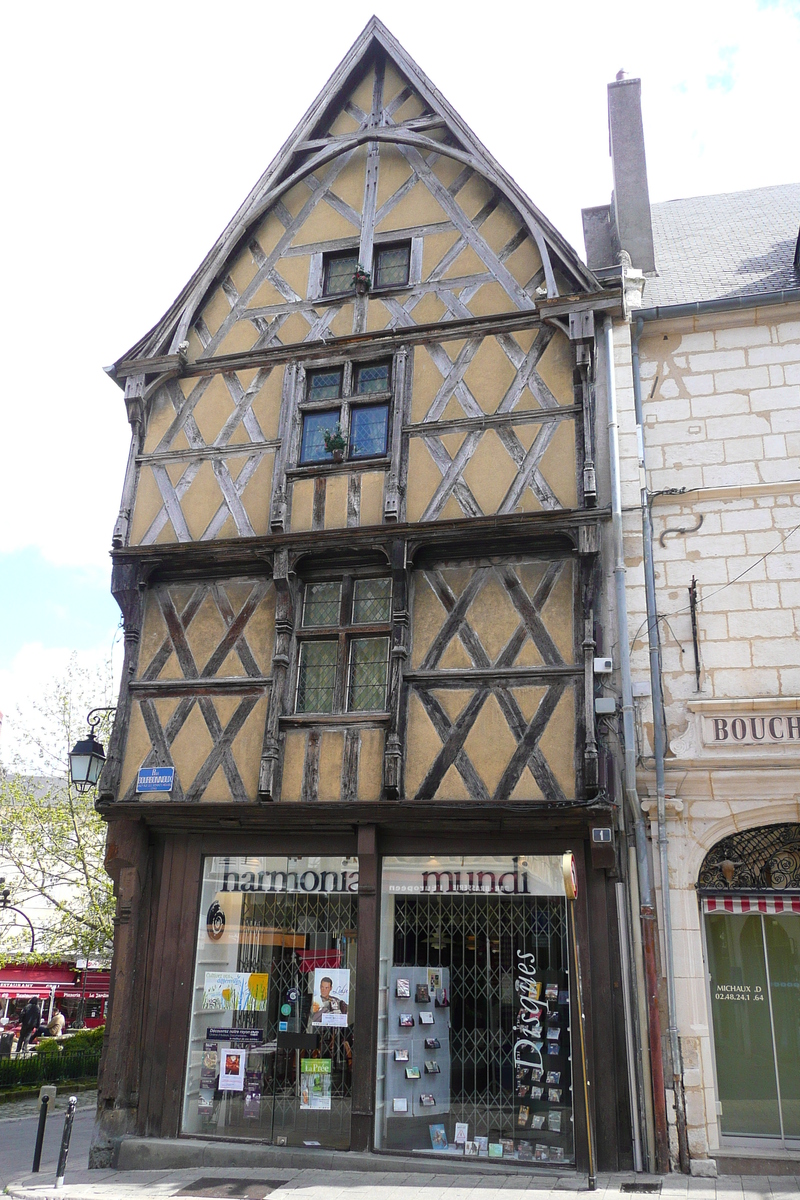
[(334, 442), (361, 281)]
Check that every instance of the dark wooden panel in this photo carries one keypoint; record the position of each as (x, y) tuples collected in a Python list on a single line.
[(149, 986), (170, 975), (179, 962), (366, 1042)]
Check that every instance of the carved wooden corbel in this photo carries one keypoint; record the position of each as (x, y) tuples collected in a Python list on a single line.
[(582, 334), (269, 775), (129, 588), (393, 747)]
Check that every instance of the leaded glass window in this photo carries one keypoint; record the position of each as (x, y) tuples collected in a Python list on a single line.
[(339, 272), (315, 426), (369, 661), (368, 429), (324, 385), (347, 670), (316, 677), (391, 265), (371, 601), (372, 377), (333, 402), (322, 604)]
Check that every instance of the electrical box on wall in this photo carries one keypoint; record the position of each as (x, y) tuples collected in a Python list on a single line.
[(603, 666), (601, 842)]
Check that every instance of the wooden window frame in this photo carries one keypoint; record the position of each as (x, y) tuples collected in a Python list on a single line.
[(381, 248), (331, 257), (344, 634), (343, 405)]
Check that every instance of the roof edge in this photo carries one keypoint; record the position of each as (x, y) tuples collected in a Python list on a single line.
[(374, 33)]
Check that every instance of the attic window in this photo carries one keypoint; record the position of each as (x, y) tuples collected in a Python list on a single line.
[(392, 265), (339, 271)]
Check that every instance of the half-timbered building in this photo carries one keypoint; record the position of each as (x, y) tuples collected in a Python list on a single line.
[(357, 559)]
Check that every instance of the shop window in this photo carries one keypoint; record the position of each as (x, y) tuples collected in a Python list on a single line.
[(475, 1055), (361, 418), (754, 979), (273, 1013), (347, 669)]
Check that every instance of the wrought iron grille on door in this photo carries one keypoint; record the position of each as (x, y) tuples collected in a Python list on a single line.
[(477, 942)]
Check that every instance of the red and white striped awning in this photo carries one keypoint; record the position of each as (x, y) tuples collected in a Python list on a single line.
[(751, 904)]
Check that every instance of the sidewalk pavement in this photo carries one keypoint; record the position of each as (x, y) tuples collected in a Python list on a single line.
[(247, 1184)]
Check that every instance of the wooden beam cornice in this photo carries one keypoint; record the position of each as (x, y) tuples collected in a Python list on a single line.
[(232, 556), (523, 818), (379, 341)]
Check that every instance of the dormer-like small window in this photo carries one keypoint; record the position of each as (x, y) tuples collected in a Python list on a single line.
[(339, 270), (392, 264)]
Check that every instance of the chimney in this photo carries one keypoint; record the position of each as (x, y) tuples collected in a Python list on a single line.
[(630, 202), (625, 224)]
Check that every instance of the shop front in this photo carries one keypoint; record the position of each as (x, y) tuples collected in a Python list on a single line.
[(750, 896), (456, 1007)]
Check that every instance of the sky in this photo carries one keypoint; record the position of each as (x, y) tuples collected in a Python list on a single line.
[(133, 132)]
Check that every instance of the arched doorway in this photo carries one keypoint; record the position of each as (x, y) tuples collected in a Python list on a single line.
[(749, 885)]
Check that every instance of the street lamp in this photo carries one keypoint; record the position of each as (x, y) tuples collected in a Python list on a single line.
[(7, 906), (87, 757)]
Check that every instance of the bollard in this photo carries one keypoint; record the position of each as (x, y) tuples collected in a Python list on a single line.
[(67, 1134), (40, 1132)]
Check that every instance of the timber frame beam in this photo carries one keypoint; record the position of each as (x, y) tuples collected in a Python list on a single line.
[(473, 817), (378, 342), (529, 533)]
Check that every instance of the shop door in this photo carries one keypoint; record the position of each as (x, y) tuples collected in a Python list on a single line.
[(754, 972), (474, 1052), (274, 991), (308, 1078)]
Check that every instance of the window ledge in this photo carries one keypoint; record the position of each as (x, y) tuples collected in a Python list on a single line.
[(332, 468), (301, 720), (391, 289)]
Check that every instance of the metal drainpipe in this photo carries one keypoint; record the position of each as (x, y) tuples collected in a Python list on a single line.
[(659, 748), (645, 883)]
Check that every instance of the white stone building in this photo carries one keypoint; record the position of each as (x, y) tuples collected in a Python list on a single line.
[(718, 335)]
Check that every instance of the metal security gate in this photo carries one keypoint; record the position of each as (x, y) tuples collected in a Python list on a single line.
[(288, 935), (477, 939)]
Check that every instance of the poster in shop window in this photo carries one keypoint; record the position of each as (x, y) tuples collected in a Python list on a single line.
[(238, 990), (315, 1083), (331, 997), (232, 1068)]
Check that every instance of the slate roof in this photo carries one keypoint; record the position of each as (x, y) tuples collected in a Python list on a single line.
[(725, 246)]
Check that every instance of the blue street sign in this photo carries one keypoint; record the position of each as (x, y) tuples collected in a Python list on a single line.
[(155, 779)]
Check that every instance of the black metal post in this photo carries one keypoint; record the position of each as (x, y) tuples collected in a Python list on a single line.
[(66, 1135), (693, 608), (37, 1152)]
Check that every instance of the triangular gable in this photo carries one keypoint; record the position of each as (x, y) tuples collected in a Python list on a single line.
[(415, 118)]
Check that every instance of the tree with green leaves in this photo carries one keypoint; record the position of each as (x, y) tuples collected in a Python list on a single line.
[(52, 841)]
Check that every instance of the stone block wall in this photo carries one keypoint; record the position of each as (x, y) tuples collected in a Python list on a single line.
[(721, 403)]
